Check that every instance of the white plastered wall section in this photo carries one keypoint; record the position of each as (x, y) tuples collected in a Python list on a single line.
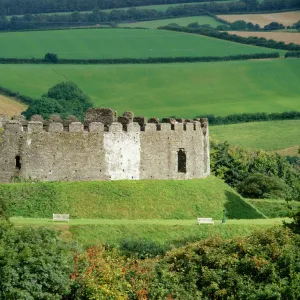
[(122, 155)]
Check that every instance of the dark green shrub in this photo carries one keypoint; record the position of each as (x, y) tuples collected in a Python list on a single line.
[(34, 264), (51, 57), (142, 248), (259, 186)]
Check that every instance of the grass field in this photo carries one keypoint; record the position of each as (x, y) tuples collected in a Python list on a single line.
[(273, 135), (275, 208), (116, 43), (287, 37), (149, 199), (185, 90), (180, 21), (166, 232), (10, 107), (285, 18)]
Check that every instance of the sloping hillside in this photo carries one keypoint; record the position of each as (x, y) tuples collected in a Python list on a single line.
[(10, 107), (148, 199)]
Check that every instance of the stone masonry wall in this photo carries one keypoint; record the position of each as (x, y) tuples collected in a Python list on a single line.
[(108, 150)]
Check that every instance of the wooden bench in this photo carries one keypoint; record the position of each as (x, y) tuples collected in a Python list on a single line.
[(61, 217), (205, 221)]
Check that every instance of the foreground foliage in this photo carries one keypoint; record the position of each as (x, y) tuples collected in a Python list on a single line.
[(34, 264), (265, 265)]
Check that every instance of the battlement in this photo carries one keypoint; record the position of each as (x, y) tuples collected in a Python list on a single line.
[(101, 120)]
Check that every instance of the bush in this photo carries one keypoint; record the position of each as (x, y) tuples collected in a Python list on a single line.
[(51, 57), (265, 265), (236, 164), (34, 264), (259, 186), (65, 98), (142, 248)]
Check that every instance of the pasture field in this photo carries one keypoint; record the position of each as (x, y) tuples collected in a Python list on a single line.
[(272, 135), (180, 21), (186, 90), (286, 37), (117, 43), (142, 199), (285, 18), (11, 107)]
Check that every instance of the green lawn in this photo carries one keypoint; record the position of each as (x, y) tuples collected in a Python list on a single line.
[(116, 43), (172, 233), (180, 21), (273, 135), (185, 90)]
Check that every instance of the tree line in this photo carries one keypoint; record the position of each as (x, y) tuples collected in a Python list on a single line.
[(292, 54), (149, 60), (251, 117), (36, 21), (252, 40)]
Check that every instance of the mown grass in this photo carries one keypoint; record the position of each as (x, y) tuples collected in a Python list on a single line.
[(148, 199), (161, 90), (272, 135), (116, 43), (275, 208), (180, 21), (165, 232), (171, 235)]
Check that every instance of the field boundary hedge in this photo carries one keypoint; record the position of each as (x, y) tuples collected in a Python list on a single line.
[(22, 98), (256, 41), (251, 117), (149, 60), (293, 54)]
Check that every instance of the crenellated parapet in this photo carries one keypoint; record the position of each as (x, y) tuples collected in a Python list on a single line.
[(102, 120)]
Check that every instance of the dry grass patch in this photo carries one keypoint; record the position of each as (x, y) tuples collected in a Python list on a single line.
[(285, 18), (292, 151), (10, 106), (287, 37)]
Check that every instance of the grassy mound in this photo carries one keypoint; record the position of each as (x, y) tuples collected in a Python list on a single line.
[(161, 90), (272, 135), (149, 199)]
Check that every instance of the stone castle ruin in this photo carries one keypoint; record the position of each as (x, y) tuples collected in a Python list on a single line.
[(104, 147)]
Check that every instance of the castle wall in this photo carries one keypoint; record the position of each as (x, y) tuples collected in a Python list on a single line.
[(52, 151)]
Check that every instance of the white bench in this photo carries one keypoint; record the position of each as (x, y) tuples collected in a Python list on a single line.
[(61, 217), (205, 221)]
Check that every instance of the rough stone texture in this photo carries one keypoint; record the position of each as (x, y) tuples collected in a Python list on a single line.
[(35, 126), (140, 120), (103, 115), (55, 118), (129, 115), (119, 153), (37, 118), (153, 120), (76, 127)]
